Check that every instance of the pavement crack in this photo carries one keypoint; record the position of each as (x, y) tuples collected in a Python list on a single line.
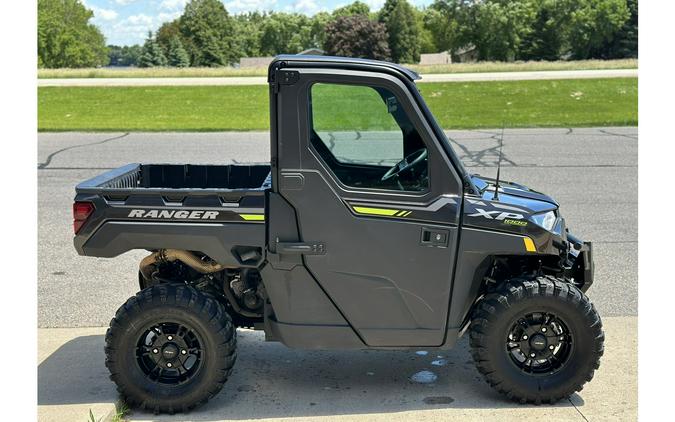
[(488, 132), (481, 157), (606, 132), (577, 409), (48, 161)]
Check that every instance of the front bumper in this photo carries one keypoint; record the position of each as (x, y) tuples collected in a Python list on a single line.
[(582, 269)]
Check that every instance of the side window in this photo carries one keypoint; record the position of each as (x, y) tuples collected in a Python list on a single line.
[(365, 137)]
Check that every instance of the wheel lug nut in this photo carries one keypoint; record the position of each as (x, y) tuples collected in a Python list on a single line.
[(525, 337), (532, 355), (155, 351), (551, 347), (169, 365), (183, 352), (543, 330), (170, 338), (562, 338)]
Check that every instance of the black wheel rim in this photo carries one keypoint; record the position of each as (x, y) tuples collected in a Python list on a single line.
[(169, 353), (539, 343)]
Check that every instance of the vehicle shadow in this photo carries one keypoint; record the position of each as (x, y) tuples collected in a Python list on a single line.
[(272, 381), (76, 374)]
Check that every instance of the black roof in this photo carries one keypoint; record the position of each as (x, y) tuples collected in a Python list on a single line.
[(345, 62)]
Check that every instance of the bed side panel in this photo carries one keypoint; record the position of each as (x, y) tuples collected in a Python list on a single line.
[(222, 242)]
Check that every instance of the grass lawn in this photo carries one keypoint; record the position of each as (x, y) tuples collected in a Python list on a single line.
[(470, 105), (172, 72)]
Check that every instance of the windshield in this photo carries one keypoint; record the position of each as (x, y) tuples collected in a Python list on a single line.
[(440, 134)]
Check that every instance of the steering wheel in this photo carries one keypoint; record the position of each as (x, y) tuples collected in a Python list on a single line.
[(408, 162)]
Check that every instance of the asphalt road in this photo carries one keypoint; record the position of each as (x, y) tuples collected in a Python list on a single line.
[(592, 172), (262, 80)]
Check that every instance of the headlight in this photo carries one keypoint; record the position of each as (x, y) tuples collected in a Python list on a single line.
[(545, 220)]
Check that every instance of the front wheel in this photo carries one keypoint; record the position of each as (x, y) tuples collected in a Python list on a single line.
[(536, 341), (170, 348)]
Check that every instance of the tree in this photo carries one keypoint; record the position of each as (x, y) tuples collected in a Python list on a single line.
[(593, 24), (445, 20), (318, 31), (357, 36), (177, 56), (547, 39), (625, 42), (399, 19), (498, 27), (286, 33), (208, 33), (535, 29), (131, 55), (124, 56), (248, 30), (427, 42), (114, 55), (66, 38), (356, 8), (165, 34), (152, 54)]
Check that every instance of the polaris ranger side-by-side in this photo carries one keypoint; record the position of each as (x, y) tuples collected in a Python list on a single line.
[(365, 231)]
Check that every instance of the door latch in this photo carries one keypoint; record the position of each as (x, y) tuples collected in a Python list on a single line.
[(434, 237), (304, 248)]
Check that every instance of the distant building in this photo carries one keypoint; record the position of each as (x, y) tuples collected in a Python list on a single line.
[(465, 54), (435, 58), (255, 61), (265, 61)]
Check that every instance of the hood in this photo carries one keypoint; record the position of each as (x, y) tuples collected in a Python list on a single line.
[(514, 194)]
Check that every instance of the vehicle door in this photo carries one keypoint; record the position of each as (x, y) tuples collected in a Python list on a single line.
[(375, 197)]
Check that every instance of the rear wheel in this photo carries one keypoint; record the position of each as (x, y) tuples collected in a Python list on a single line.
[(536, 340), (170, 348)]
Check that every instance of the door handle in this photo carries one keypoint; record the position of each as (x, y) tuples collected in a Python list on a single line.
[(434, 237), (309, 248)]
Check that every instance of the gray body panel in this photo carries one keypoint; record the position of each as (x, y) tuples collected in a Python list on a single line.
[(475, 248), (216, 240), (394, 291)]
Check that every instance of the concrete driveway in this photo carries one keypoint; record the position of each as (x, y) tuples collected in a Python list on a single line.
[(272, 382)]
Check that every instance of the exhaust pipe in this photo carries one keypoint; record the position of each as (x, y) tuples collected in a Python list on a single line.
[(169, 255)]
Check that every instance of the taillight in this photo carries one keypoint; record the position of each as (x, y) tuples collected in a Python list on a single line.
[(81, 211)]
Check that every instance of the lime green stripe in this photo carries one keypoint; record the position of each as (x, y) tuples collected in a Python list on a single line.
[(375, 211), (253, 217)]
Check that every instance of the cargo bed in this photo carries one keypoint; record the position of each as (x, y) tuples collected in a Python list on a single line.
[(163, 177), (218, 210)]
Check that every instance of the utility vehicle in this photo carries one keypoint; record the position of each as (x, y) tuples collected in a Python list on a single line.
[(365, 231)]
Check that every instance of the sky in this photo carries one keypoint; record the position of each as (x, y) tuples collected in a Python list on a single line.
[(126, 22)]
